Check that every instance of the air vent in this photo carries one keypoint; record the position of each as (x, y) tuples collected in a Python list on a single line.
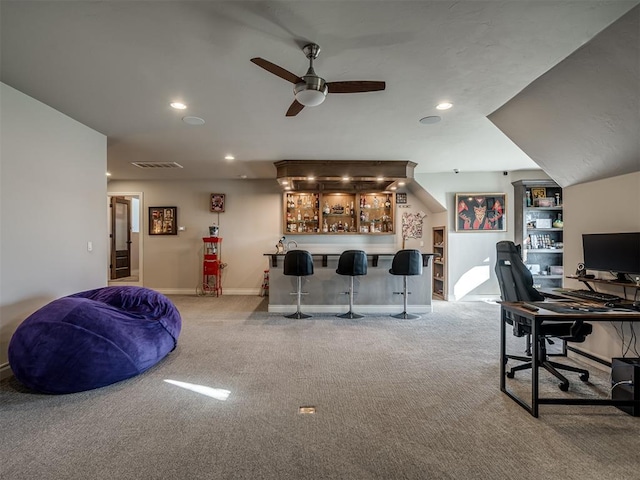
[(157, 164)]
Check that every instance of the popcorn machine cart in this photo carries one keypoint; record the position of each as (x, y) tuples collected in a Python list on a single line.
[(211, 267)]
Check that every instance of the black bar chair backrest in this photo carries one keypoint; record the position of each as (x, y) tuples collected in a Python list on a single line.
[(298, 263), (406, 262), (352, 262)]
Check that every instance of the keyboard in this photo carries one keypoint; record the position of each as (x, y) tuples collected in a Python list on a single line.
[(593, 296)]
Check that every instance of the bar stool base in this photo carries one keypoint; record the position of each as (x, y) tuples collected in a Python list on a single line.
[(406, 315), (350, 315), (298, 315)]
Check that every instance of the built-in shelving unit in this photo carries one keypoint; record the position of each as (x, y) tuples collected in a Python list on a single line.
[(370, 213), (539, 226), (439, 262)]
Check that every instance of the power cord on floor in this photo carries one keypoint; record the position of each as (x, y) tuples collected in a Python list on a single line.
[(622, 382)]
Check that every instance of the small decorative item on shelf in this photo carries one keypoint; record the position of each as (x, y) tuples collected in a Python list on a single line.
[(557, 199), (528, 198), (558, 223)]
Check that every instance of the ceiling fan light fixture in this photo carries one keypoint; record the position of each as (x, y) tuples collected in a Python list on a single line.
[(311, 92)]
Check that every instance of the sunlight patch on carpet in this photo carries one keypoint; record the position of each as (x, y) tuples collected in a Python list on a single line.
[(217, 393)]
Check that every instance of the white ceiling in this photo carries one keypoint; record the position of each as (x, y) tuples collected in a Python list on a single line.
[(116, 65)]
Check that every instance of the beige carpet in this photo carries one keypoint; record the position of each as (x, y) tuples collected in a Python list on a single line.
[(395, 399)]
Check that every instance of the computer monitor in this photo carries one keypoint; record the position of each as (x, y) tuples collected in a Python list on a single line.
[(618, 253)]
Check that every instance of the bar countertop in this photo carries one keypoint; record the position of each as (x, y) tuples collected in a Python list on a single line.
[(324, 256)]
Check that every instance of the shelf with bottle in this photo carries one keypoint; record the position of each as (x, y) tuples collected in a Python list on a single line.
[(375, 212), (302, 213), (339, 213)]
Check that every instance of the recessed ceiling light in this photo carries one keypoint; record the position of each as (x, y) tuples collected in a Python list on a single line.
[(379, 179), (287, 188), (392, 188), (229, 157), (431, 119), (108, 174), (178, 105), (311, 179), (402, 184), (345, 179), (284, 182), (444, 106), (243, 176), (193, 121)]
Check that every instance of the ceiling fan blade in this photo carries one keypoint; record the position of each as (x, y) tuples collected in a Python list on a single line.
[(355, 86), (276, 70), (295, 108)]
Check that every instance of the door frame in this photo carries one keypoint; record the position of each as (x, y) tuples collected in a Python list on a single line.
[(141, 236)]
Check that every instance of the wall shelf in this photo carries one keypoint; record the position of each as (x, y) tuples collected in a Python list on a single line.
[(439, 262)]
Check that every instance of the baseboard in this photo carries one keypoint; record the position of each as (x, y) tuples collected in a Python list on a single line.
[(192, 291), (5, 371)]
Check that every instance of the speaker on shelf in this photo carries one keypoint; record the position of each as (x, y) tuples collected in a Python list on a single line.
[(581, 271)]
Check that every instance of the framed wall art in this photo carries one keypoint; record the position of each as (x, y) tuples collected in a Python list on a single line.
[(481, 212), (163, 220), (217, 202), (401, 198)]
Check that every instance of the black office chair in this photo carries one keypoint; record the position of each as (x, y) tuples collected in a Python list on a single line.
[(516, 285), (406, 263), (298, 263), (352, 263)]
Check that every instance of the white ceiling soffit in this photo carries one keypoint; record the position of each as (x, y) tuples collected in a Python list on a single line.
[(580, 121)]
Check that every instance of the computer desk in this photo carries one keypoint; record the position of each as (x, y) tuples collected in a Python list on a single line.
[(564, 311)]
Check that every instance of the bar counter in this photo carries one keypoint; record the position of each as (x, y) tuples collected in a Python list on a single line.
[(376, 292)]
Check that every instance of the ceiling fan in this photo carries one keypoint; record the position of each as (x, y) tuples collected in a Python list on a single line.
[(310, 89)]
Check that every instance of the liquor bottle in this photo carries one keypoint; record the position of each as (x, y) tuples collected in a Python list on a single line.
[(387, 203), (528, 198), (325, 227)]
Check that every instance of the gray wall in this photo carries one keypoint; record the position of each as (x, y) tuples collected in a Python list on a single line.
[(604, 206), (52, 202), (250, 226), (471, 255)]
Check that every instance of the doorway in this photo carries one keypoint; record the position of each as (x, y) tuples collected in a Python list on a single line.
[(125, 237)]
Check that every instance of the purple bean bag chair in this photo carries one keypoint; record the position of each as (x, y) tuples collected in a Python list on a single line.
[(93, 338)]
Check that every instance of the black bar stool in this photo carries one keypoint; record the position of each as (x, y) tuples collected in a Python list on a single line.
[(298, 263), (352, 263), (406, 263)]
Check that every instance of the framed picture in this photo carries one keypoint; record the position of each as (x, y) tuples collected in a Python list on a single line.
[(538, 192), (217, 202), (481, 212), (163, 220), (401, 198)]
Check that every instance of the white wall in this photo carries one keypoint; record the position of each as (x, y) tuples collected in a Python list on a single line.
[(250, 227), (471, 255), (604, 206), (52, 199)]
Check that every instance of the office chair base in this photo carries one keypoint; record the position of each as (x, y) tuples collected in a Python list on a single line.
[(298, 315), (552, 368), (350, 315), (406, 315)]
